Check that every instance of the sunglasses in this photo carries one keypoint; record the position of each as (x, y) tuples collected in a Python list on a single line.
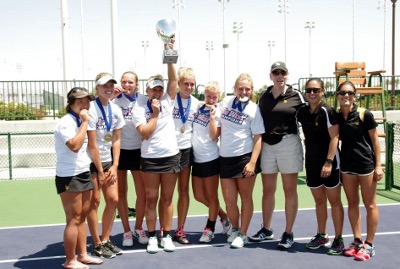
[(343, 93), (77, 89), (279, 73), (313, 90)]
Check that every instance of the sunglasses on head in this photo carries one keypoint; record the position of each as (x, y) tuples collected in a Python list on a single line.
[(279, 72), (343, 93), (77, 89), (313, 90)]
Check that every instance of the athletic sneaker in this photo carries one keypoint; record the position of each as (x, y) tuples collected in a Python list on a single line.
[(102, 251), (180, 236), (239, 241), (353, 249), (207, 236), (226, 226), (337, 246), (111, 246), (167, 244), (262, 234), (286, 241), (127, 240), (141, 236), (319, 241), (152, 246), (365, 253), (233, 235)]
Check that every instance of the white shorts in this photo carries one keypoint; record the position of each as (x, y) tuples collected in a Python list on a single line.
[(285, 157)]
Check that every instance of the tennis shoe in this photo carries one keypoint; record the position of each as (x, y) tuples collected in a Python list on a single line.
[(152, 246), (207, 236), (365, 253), (233, 235), (226, 226), (167, 244), (103, 252), (127, 240), (286, 241), (337, 246), (180, 236), (352, 250), (239, 241), (141, 236), (262, 234), (318, 241), (111, 246)]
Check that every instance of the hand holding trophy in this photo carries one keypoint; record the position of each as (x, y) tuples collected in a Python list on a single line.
[(166, 31)]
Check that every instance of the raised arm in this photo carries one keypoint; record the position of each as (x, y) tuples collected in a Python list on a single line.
[(172, 85)]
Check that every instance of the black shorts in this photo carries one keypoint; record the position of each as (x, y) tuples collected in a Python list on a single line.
[(129, 159), (186, 157), (161, 165), (106, 166), (314, 179), (206, 169), (77, 183), (232, 167)]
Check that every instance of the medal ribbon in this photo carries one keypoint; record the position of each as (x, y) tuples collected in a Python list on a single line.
[(131, 99), (103, 113), (238, 105), (78, 121), (184, 116)]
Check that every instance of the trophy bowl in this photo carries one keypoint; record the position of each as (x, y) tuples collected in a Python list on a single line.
[(166, 31)]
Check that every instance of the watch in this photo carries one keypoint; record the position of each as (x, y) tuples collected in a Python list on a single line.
[(329, 161)]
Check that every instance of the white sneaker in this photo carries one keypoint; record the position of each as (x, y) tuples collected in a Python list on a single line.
[(152, 246), (239, 241), (233, 235), (226, 226), (167, 244), (127, 240), (141, 236), (207, 236)]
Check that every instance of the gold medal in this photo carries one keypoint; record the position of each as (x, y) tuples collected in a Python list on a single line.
[(183, 129), (108, 137)]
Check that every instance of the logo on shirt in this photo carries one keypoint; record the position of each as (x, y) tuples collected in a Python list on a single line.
[(176, 115), (202, 118), (127, 112), (233, 116), (163, 113)]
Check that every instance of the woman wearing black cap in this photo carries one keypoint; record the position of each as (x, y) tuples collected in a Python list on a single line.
[(281, 152), (73, 180)]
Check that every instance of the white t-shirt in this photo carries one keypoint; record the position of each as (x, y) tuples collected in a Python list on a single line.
[(97, 123), (130, 137), (162, 142), (204, 149), (68, 162), (185, 137), (238, 128)]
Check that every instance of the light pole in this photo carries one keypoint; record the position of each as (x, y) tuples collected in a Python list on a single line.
[(209, 47), (145, 45), (309, 25), (382, 4), (178, 4), (271, 44), (392, 100), (238, 29), (284, 8), (224, 44)]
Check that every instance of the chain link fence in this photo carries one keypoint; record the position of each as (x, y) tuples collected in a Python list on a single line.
[(27, 155), (395, 162)]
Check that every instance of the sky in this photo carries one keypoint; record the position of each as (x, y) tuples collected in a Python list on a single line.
[(31, 38)]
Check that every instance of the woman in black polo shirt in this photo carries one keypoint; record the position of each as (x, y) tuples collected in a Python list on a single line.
[(321, 131), (360, 167), (282, 152)]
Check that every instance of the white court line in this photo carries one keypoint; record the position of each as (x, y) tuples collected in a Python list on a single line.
[(185, 247)]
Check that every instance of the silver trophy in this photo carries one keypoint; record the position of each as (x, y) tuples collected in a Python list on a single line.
[(166, 31)]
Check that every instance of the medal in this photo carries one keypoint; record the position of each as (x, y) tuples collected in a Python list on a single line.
[(183, 129), (183, 113), (108, 137)]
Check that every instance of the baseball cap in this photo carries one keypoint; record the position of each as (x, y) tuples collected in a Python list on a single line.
[(79, 92), (278, 66), (154, 83), (104, 79)]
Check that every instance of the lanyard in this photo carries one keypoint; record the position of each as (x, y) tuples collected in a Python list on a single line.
[(238, 105), (132, 99), (184, 116), (103, 113), (78, 121)]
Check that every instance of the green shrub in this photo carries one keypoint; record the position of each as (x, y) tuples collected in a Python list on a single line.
[(20, 111)]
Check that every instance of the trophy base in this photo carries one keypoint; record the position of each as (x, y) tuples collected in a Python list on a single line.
[(170, 56)]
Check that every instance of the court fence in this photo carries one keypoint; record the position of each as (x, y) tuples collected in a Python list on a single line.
[(31, 155)]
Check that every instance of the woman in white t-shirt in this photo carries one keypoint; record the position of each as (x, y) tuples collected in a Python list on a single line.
[(104, 133), (73, 180), (131, 142), (241, 129), (206, 168), (160, 155)]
